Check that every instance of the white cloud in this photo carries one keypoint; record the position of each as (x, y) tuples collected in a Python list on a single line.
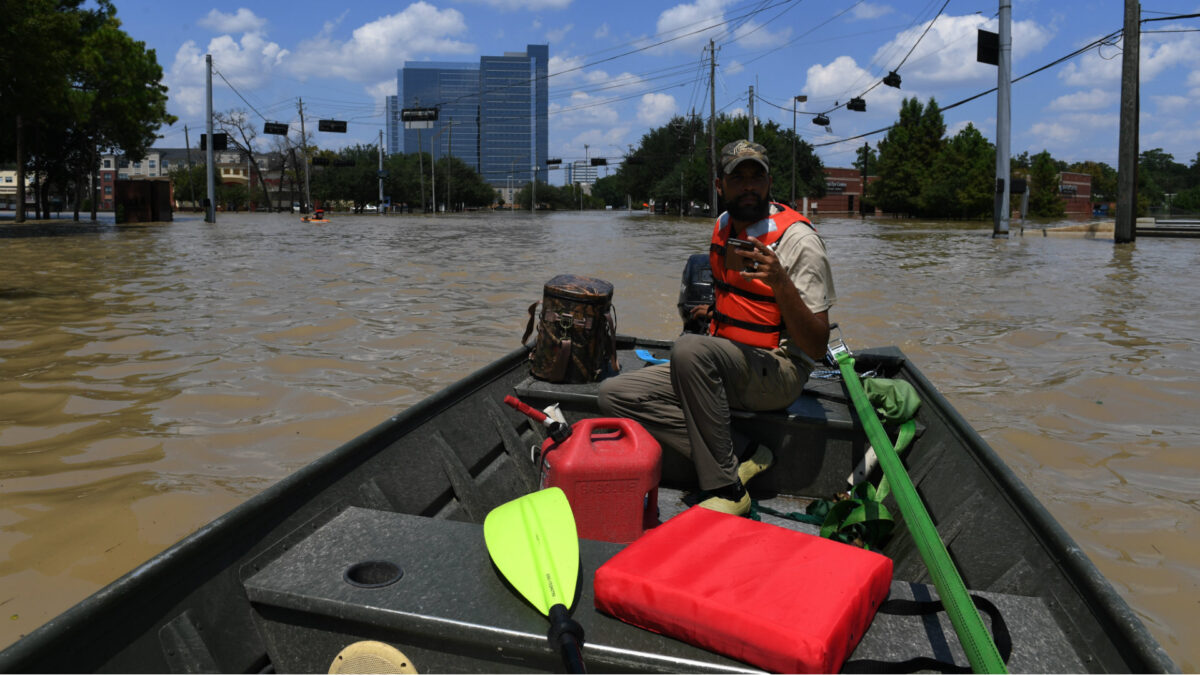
[(375, 49), (242, 21), (515, 5), (557, 34), (946, 55), (842, 79), (382, 89), (563, 70), (1085, 100), (656, 109), (1158, 54), (1053, 133), (583, 110), (752, 35), (733, 68), (869, 10), (688, 18), (1173, 104), (247, 64), (601, 32)]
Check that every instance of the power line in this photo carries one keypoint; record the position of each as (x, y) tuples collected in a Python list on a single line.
[(1092, 45)]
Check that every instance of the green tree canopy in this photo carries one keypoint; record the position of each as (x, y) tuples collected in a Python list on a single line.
[(905, 153), (1044, 188)]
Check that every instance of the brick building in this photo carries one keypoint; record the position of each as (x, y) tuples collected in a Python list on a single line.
[(843, 192), (1075, 191)]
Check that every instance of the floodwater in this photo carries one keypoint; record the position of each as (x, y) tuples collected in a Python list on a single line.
[(152, 377)]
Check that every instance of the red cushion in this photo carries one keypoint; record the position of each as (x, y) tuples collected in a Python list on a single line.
[(777, 599)]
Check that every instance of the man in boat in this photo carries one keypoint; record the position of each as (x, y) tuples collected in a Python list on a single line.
[(769, 326)]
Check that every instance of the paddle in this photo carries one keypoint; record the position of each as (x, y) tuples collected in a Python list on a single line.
[(533, 542)]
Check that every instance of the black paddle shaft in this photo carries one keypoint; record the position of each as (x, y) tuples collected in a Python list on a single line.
[(567, 636)]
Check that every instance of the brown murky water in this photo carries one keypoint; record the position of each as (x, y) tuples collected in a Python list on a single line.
[(153, 377)]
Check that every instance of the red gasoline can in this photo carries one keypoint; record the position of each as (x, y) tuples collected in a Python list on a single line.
[(609, 469)]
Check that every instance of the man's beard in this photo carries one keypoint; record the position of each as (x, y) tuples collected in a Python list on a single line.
[(750, 211)]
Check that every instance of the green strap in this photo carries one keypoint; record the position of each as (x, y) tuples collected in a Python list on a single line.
[(975, 639), (908, 431)]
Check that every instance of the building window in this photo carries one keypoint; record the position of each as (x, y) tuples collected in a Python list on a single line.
[(165, 163), (123, 176), (108, 163), (108, 189), (152, 164)]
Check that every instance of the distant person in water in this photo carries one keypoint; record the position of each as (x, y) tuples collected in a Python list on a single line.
[(773, 288)]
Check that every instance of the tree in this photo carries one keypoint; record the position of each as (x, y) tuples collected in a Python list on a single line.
[(1104, 179), (190, 183), (961, 180), (237, 123), (1043, 187), (72, 83), (912, 144)]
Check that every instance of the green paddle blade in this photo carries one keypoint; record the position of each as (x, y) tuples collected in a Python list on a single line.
[(533, 542)]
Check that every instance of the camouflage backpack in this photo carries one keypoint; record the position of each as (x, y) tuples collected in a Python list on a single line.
[(576, 333)]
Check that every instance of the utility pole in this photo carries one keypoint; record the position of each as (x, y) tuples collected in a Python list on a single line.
[(380, 211), (1003, 123), (210, 211), (191, 183), (750, 136), (712, 128), (795, 99), (304, 146), (862, 198), (449, 166), (421, 169), (1125, 229), (533, 199)]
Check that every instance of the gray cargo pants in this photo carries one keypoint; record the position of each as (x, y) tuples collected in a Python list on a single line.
[(685, 404)]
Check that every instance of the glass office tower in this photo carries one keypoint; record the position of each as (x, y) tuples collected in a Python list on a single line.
[(453, 88), (497, 110)]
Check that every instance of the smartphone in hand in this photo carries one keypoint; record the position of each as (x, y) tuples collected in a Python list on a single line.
[(735, 258)]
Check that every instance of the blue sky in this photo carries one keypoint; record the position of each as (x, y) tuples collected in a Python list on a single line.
[(620, 68)]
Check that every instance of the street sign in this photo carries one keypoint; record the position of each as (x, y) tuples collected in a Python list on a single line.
[(275, 128), (554, 161), (987, 48), (418, 118), (320, 161), (599, 161), (337, 126), (220, 141)]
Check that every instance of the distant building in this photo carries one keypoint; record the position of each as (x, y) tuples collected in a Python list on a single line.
[(1075, 191), (843, 192), (157, 162), (492, 115), (581, 171)]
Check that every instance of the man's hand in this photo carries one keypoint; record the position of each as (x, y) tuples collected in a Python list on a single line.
[(702, 312)]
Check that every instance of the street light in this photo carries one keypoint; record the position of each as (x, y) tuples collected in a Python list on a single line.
[(795, 100)]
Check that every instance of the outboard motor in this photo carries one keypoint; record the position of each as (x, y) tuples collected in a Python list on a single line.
[(695, 290)]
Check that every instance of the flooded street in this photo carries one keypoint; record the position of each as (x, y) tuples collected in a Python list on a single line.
[(153, 377)]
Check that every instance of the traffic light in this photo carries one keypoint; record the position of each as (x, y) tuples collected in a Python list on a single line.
[(275, 128), (220, 141), (821, 120), (892, 79), (599, 161), (857, 104), (337, 126)]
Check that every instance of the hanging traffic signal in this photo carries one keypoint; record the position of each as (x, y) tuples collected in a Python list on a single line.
[(599, 161), (821, 120), (892, 79), (337, 126), (857, 104), (220, 141)]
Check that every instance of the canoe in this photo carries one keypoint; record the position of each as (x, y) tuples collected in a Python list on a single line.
[(265, 587)]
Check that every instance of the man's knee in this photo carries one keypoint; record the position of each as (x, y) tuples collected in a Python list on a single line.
[(608, 397)]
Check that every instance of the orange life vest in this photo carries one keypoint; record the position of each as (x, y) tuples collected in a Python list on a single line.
[(745, 310)]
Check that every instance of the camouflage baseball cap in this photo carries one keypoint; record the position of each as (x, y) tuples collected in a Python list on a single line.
[(739, 151)]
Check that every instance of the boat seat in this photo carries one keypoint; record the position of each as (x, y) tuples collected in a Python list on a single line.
[(440, 600)]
